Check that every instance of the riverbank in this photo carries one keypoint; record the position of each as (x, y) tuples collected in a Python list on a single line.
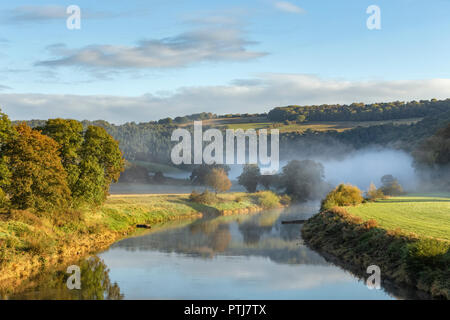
[(362, 236), (31, 243)]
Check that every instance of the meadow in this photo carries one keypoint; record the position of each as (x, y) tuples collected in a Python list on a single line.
[(339, 126), (423, 214)]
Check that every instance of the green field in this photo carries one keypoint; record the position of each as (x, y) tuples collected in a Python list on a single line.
[(423, 214), (314, 126)]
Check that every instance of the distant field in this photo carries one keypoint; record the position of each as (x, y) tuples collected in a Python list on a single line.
[(261, 123), (155, 167), (423, 214)]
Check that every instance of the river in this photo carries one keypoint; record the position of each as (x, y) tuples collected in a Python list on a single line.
[(234, 257)]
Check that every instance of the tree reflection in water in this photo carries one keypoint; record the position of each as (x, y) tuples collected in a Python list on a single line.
[(95, 284)]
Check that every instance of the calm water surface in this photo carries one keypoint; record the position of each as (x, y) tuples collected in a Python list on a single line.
[(235, 257)]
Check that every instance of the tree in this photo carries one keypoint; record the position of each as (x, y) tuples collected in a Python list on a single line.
[(373, 193), (218, 180), (432, 159), (303, 180), (250, 177), (6, 134), (198, 175), (38, 179), (391, 186), (69, 135), (269, 180), (343, 195), (101, 164)]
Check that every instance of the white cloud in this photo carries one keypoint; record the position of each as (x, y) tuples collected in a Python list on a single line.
[(253, 95), (213, 44), (288, 7)]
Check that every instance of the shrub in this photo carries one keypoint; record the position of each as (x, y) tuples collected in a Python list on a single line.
[(429, 252), (373, 193), (206, 197), (268, 199), (285, 200), (343, 195), (371, 223), (4, 201)]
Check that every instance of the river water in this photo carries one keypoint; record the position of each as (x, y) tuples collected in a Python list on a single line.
[(234, 257)]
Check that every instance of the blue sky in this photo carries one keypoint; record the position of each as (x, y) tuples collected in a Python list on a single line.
[(143, 60)]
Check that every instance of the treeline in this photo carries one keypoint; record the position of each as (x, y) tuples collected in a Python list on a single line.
[(432, 159), (150, 141), (300, 180), (57, 166), (360, 111)]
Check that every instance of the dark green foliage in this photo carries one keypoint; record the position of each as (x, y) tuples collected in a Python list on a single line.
[(432, 158), (360, 111), (90, 186), (391, 186), (101, 164), (6, 135), (429, 252), (303, 180), (135, 174), (269, 181), (343, 195), (250, 177), (69, 135)]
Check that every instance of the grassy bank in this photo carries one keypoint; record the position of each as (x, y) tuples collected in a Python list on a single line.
[(424, 214), (407, 237), (30, 243)]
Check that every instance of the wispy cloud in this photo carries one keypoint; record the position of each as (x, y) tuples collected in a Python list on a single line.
[(35, 13), (213, 44), (288, 7), (46, 13), (252, 95), (2, 87)]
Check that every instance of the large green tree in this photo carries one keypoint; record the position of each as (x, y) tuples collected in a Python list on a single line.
[(303, 180), (250, 177), (101, 164), (38, 179), (69, 135), (6, 134)]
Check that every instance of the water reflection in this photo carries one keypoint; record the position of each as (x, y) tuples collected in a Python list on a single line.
[(95, 285), (233, 257), (259, 235)]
